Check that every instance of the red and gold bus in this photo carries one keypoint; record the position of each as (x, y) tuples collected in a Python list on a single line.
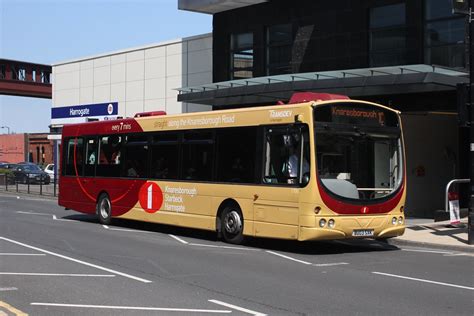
[(326, 168)]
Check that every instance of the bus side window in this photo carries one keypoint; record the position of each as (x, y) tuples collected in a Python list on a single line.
[(74, 154), (235, 154), (286, 158), (109, 156), (197, 162), (91, 157), (134, 156), (165, 156)]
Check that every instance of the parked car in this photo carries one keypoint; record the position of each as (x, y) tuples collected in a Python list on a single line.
[(49, 169), (6, 174), (6, 165), (31, 173)]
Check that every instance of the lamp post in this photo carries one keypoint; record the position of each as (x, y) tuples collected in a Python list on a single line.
[(8, 129)]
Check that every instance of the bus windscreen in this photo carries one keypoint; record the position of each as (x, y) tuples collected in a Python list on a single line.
[(358, 151)]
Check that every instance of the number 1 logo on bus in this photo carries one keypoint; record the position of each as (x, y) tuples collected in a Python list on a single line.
[(151, 197)]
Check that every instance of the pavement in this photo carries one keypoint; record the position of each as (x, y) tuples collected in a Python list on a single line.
[(419, 232), (438, 235)]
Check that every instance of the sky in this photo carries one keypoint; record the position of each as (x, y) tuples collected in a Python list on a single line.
[(51, 31)]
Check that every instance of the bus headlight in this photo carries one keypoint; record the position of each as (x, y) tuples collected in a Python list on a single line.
[(400, 220), (331, 223), (394, 221), (322, 222)]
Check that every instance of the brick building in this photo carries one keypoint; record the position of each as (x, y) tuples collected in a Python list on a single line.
[(34, 147)]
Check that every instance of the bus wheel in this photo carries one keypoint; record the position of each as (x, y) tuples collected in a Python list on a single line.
[(232, 225), (104, 209)]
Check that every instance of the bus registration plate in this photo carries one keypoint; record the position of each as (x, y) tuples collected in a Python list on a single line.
[(362, 232)]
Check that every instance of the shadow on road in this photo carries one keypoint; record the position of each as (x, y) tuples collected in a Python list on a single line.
[(291, 246)]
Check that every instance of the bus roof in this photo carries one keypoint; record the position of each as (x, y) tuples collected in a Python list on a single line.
[(275, 114)]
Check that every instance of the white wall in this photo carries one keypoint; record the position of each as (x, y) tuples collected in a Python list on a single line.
[(140, 80), (431, 142)]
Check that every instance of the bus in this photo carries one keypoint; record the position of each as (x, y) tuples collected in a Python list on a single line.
[(321, 167)]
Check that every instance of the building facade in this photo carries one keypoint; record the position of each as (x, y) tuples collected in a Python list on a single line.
[(30, 147), (285, 37), (130, 81), (409, 55)]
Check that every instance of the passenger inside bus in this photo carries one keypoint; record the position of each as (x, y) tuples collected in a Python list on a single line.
[(237, 170), (161, 170), (91, 159), (131, 170), (190, 173), (293, 162), (116, 149)]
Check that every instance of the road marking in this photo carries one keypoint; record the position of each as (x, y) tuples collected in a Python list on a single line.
[(426, 281), (59, 274), (289, 258), (20, 254), (5, 289), (127, 230), (248, 311), (44, 214), (427, 251), (78, 261), (12, 309), (27, 198), (329, 264), (444, 253), (33, 213), (63, 220), (178, 239), (224, 247), (139, 308), (458, 254)]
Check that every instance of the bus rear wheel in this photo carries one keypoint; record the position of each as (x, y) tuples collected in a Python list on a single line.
[(232, 225), (104, 209)]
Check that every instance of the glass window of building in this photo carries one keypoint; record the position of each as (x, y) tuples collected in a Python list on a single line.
[(387, 35), (278, 47), (444, 35), (241, 56)]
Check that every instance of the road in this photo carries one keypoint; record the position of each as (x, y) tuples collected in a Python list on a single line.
[(57, 262)]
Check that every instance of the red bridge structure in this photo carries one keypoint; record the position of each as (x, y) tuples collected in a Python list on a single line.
[(20, 78)]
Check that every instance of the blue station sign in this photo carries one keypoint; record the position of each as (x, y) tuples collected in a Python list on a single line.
[(87, 110)]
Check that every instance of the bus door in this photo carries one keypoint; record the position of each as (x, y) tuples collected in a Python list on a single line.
[(285, 171)]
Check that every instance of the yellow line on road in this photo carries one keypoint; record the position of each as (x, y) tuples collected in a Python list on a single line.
[(12, 309)]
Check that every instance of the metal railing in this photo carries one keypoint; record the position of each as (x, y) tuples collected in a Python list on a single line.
[(30, 185), (448, 186)]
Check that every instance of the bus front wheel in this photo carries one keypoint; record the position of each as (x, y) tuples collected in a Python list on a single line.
[(104, 209), (232, 225)]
